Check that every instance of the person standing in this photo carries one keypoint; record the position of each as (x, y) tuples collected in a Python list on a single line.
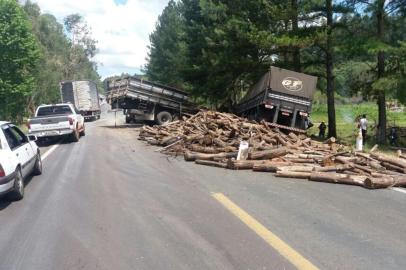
[(322, 130), (363, 125), (393, 137)]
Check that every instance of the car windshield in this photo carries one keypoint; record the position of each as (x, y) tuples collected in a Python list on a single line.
[(54, 110)]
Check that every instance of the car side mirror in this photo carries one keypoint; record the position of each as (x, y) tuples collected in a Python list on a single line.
[(32, 138)]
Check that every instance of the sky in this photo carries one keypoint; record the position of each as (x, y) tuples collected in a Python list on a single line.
[(121, 27)]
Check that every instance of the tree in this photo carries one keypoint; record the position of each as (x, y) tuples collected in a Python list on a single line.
[(80, 34), (56, 53), (379, 45), (18, 60), (326, 41), (54, 46), (226, 46), (329, 71), (223, 48), (307, 43), (82, 49), (167, 50)]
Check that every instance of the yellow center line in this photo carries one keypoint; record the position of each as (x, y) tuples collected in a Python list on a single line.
[(274, 241)]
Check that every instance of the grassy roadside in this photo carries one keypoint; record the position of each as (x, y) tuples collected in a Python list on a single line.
[(346, 117)]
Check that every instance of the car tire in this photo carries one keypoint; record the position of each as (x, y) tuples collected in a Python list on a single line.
[(18, 190), (163, 118), (75, 136), (83, 132), (38, 165), (40, 142)]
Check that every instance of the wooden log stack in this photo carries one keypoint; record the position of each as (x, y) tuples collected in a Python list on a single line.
[(212, 138)]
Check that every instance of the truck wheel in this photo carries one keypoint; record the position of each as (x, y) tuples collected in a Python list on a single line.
[(163, 118), (18, 192), (75, 136)]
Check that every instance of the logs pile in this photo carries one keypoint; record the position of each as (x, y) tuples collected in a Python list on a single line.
[(212, 138)]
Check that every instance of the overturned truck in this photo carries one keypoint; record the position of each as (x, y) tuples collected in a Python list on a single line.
[(281, 97), (143, 100)]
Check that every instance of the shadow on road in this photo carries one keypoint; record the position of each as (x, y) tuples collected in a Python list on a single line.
[(91, 120), (6, 200), (53, 141), (48, 142)]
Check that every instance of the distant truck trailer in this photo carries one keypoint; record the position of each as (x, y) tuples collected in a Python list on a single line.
[(281, 97), (84, 95)]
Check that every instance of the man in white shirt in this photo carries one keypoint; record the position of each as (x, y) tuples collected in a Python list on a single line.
[(363, 125)]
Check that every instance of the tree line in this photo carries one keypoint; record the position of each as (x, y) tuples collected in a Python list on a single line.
[(217, 49), (36, 53)]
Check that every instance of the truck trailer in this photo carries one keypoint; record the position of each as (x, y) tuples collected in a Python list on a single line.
[(143, 100), (84, 95), (281, 97)]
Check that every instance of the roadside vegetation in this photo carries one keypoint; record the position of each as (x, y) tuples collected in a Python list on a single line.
[(347, 116), (36, 53), (217, 49)]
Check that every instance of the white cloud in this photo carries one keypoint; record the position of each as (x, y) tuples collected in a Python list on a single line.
[(122, 30)]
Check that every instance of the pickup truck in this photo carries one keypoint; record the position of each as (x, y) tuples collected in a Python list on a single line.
[(57, 120)]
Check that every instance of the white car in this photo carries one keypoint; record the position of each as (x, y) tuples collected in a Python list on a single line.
[(19, 157)]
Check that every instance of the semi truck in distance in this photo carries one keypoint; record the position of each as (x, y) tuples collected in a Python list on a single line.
[(143, 100), (281, 97), (84, 95)]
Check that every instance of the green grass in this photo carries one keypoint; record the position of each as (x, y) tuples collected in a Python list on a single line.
[(346, 116)]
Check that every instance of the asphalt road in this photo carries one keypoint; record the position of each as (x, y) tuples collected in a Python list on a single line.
[(111, 202)]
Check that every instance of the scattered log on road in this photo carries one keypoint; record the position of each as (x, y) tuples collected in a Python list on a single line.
[(301, 160), (287, 174), (337, 178), (192, 156), (213, 139), (268, 154), (393, 167), (391, 160), (296, 168), (211, 150), (243, 164), (211, 163), (385, 182), (269, 166), (336, 168)]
